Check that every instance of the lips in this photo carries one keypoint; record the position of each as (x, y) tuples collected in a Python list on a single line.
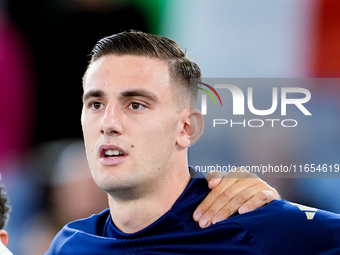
[(111, 155)]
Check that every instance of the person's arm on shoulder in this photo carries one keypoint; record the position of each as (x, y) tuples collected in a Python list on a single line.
[(230, 192)]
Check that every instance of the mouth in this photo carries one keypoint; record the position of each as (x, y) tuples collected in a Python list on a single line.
[(111, 155)]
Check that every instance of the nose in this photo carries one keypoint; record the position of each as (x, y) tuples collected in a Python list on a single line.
[(110, 123)]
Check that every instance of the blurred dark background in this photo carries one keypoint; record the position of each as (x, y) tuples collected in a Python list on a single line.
[(61, 34)]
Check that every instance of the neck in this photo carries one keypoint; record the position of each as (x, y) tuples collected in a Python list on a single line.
[(133, 215)]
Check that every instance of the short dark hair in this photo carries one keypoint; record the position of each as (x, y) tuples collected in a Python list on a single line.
[(4, 207), (132, 42)]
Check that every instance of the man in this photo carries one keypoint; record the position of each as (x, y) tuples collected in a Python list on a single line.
[(138, 120), (4, 215)]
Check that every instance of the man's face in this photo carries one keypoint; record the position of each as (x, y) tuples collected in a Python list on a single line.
[(130, 121)]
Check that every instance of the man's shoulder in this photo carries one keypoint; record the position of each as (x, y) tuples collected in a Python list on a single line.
[(289, 210), (92, 225), (84, 229), (286, 226)]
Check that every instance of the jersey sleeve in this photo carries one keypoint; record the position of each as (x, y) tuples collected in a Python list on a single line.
[(287, 228)]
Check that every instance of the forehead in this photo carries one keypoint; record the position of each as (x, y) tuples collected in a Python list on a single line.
[(127, 72)]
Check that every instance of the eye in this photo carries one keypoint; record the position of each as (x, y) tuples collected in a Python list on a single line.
[(136, 106), (96, 105)]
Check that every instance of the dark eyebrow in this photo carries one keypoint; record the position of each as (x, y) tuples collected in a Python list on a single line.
[(93, 93), (140, 93)]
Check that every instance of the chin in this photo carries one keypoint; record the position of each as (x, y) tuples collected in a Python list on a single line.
[(109, 181)]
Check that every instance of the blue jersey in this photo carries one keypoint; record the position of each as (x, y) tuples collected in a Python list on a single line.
[(277, 228)]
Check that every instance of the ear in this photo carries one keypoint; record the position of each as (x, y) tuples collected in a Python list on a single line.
[(192, 127), (4, 237)]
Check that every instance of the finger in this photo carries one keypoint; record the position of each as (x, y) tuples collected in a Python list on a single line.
[(212, 196), (215, 178), (213, 182), (231, 179), (212, 175), (228, 202), (215, 175), (260, 199)]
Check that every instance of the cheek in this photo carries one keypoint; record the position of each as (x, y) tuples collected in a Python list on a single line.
[(160, 130), (88, 127), (89, 135)]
